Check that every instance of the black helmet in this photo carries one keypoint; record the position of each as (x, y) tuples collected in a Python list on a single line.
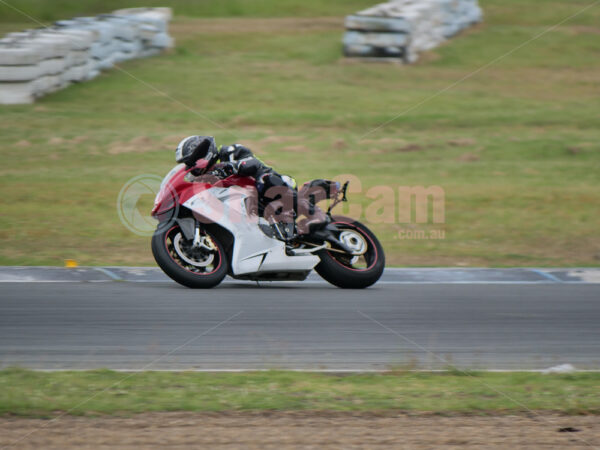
[(194, 148)]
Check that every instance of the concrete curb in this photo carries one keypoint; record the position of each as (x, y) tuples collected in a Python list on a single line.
[(42, 274)]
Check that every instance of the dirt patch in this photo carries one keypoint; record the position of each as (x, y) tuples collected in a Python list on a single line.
[(79, 139), (462, 142), (22, 144), (384, 142), (258, 144), (141, 141), (580, 29), (275, 139), (399, 149), (339, 144), (469, 157), (292, 430), (296, 149), (56, 140), (138, 144), (582, 147), (410, 148), (116, 148), (391, 145)]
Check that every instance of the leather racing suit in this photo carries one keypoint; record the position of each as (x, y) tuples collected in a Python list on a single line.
[(279, 200)]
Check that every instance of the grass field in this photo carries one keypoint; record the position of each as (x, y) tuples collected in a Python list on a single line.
[(29, 393), (43, 10), (516, 146)]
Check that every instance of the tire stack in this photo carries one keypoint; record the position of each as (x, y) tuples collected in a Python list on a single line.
[(37, 62), (153, 26), (400, 29)]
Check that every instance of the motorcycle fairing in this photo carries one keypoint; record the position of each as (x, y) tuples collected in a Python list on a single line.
[(253, 251)]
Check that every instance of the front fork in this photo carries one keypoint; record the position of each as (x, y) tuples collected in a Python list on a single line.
[(197, 237), (192, 230)]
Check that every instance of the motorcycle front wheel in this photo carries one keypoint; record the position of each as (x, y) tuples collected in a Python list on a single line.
[(359, 270), (199, 267)]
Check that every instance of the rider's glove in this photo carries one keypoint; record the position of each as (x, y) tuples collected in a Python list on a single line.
[(223, 170)]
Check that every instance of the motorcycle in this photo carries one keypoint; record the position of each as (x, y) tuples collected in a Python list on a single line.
[(209, 228)]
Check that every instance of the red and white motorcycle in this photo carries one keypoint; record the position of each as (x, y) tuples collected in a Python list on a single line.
[(208, 228)]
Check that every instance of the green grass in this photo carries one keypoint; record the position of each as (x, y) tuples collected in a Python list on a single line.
[(516, 147), (54, 10), (29, 393)]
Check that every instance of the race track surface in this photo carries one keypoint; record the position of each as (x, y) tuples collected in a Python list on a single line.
[(439, 319)]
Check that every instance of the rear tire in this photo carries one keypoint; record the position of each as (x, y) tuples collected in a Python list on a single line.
[(342, 270), (199, 269)]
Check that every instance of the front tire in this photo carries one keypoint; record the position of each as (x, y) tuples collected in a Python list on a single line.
[(198, 268), (353, 272)]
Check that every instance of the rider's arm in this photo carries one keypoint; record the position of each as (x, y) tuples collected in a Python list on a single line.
[(249, 167), (238, 159), (236, 152)]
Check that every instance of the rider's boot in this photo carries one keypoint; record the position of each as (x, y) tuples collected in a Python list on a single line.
[(313, 217)]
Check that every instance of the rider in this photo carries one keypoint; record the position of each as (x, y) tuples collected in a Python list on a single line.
[(278, 190)]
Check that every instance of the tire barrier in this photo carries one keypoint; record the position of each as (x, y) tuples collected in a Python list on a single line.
[(401, 29), (40, 61)]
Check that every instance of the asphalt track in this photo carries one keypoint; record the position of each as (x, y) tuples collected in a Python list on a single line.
[(136, 319)]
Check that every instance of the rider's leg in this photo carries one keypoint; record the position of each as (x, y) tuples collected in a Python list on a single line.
[(277, 200), (284, 204), (313, 217)]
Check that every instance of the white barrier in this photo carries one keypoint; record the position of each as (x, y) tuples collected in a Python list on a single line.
[(36, 62), (401, 29)]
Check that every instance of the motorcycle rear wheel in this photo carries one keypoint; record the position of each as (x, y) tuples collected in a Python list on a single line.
[(189, 266), (353, 272)]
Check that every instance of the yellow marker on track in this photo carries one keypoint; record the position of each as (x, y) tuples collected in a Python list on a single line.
[(70, 263)]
